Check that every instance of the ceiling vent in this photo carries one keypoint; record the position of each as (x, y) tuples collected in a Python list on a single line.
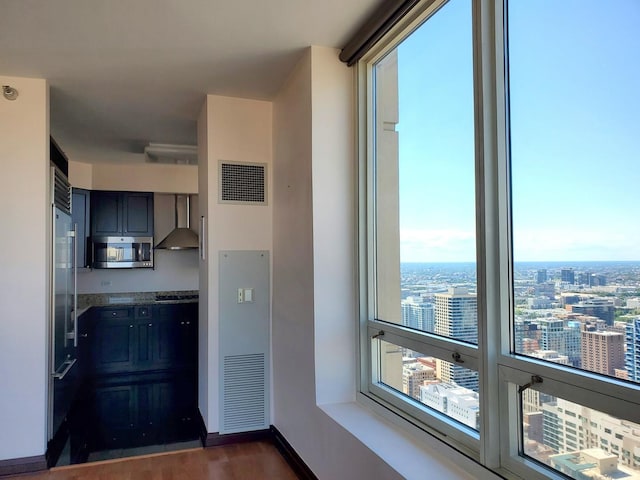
[(243, 183), (171, 154)]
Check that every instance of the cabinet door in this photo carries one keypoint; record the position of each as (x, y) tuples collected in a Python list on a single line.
[(167, 341), (115, 410), (177, 342), (138, 214), (106, 214), (80, 217), (114, 342)]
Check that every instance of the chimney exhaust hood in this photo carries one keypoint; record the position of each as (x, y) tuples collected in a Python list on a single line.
[(182, 237)]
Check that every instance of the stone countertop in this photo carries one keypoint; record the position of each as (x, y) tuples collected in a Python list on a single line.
[(87, 300)]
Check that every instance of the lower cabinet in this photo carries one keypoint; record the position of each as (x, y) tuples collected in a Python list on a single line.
[(140, 376), (139, 413), (141, 338)]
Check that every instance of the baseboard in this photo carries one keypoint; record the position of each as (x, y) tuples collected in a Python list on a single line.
[(217, 439), (272, 434), (15, 466), (291, 456)]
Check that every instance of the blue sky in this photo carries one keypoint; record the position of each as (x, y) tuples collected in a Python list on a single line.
[(575, 130)]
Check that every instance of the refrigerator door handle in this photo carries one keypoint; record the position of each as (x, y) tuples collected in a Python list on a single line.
[(74, 314), (64, 368)]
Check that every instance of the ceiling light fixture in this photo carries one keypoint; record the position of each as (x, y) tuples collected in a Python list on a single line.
[(173, 154), (9, 92)]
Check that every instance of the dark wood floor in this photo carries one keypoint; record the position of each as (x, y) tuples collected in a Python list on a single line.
[(242, 461)]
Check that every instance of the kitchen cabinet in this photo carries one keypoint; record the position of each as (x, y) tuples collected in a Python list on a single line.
[(155, 411), (81, 217), (142, 338), (127, 214)]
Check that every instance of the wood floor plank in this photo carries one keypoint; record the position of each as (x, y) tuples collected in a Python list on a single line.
[(244, 461)]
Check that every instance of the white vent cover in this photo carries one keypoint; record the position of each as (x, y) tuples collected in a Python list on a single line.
[(244, 406), (243, 183)]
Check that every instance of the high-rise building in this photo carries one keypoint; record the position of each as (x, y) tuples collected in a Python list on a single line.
[(418, 313), (562, 336), (602, 352), (456, 316), (632, 353), (541, 275), (598, 307), (567, 275), (569, 427), (414, 374)]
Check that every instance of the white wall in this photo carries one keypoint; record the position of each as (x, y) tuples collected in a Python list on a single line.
[(24, 260), (237, 130), (313, 272), (147, 177)]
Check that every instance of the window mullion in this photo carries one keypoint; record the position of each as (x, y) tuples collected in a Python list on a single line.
[(490, 298)]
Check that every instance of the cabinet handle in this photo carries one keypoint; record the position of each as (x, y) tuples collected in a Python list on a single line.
[(151, 324), (84, 335), (130, 326), (113, 314)]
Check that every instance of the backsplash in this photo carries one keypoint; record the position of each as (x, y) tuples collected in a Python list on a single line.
[(174, 271)]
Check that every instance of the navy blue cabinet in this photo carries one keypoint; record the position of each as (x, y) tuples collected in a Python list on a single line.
[(127, 214), (123, 340)]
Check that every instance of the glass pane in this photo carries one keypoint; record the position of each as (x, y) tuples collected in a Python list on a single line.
[(575, 151), (580, 442), (443, 386), (425, 178)]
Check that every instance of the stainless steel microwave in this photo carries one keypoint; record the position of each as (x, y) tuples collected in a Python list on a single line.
[(122, 252)]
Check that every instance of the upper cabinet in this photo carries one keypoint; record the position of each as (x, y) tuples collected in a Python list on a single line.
[(121, 214)]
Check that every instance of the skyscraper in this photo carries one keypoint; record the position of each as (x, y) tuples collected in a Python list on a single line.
[(562, 336), (602, 352), (632, 354), (456, 316), (568, 275), (418, 313), (541, 275)]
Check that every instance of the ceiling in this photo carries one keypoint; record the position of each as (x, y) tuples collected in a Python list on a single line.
[(124, 73)]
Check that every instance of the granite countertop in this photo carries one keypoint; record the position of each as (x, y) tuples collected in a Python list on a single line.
[(87, 300)]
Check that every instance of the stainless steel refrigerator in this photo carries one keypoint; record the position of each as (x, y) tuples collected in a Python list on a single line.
[(64, 376)]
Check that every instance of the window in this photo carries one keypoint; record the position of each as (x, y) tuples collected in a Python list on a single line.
[(500, 268)]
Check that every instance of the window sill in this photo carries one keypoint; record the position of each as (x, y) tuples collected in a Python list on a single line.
[(408, 454)]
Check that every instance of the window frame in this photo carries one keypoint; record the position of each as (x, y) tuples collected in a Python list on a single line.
[(498, 444)]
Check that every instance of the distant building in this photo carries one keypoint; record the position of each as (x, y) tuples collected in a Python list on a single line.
[(418, 313), (538, 303), (598, 307), (551, 356), (632, 353), (569, 427), (459, 403), (414, 374), (562, 336), (456, 316), (587, 464), (541, 275), (567, 275), (602, 352)]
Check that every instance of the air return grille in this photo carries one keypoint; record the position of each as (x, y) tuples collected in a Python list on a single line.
[(244, 183), (244, 393)]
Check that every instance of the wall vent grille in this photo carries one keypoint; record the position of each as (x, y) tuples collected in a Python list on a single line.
[(244, 405), (243, 183), (60, 190)]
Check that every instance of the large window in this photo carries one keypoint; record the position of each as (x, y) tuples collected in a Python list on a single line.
[(500, 176)]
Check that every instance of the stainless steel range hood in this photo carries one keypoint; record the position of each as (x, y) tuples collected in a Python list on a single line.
[(182, 237)]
